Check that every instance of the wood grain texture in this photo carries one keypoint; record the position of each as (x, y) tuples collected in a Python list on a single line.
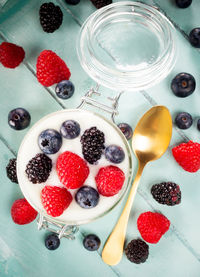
[(22, 251)]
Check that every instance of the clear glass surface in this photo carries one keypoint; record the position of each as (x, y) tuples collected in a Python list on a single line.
[(127, 46)]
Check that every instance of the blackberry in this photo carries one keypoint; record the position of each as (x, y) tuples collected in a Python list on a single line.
[(101, 3), (51, 17), (166, 193), (137, 251), (39, 168), (92, 142), (11, 170)]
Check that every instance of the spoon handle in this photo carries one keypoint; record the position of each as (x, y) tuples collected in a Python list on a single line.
[(113, 249)]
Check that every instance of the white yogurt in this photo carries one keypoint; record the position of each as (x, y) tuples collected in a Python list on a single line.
[(29, 148)]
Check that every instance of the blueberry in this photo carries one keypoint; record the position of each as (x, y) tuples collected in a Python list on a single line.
[(52, 242), (65, 89), (114, 154), (50, 141), (72, 2), (198, 124), (183, 85), (70, 129), (91, 242), (19, 119), (183, 120), (87, 197), (126, 130), (194, 37), (183, 3)]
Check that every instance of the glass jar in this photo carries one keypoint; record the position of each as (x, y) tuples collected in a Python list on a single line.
[(127, 46), (67, 224)]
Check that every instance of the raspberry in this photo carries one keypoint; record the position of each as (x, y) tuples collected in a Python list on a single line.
[(152, 226), (187, 155), (137, 251), (22, 212), (101, 3), (55, 200), (11, 170), (72, 170), (166, 193), (11, 55), (51, 17), (109, 180), (51, 69)]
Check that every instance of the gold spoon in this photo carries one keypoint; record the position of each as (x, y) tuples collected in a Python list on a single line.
[(150, 140)]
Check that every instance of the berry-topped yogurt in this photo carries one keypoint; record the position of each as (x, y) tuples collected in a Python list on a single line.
[(74, 166)]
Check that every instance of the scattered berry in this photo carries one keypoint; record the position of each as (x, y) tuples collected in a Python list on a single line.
[(11, 170), (92, 142), (152, 226), (183, 3), (65, 89), (51, 17), (72, 170), (50, 141), (91, 242), (114, 154), (51, 69), (52, 241), (38, 168), (101, 3), (22, 212), (87, 197), (187, 155), (166, 193), (11, 55), (19, 119), (70, 129), (137, 251), (72, 2), (198, 124), (109, 180), (183, 120), (194, 37), (55, 200), (126, 130), (183, 84)]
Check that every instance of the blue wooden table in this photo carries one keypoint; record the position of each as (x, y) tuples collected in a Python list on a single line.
[(22, 250)]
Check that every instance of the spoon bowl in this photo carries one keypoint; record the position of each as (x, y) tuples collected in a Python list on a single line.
[(151, 136), (150, 140)]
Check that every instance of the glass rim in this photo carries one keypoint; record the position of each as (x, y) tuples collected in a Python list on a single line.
[(106, 75)]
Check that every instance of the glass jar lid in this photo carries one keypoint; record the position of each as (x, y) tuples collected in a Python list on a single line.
[(127, 46)]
